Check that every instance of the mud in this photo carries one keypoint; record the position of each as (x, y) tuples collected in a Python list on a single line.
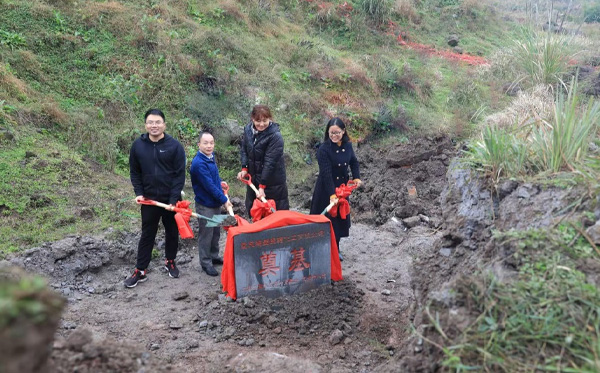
[(416, 227)]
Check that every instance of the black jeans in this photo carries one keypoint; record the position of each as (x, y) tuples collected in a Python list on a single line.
[(151, 215)]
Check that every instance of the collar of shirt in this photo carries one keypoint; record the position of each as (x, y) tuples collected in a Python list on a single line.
[(210, 157)]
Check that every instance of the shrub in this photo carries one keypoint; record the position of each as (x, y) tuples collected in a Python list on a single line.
[(592, 14), (563, 142), (542, 58), (378, 10), (499, 153)]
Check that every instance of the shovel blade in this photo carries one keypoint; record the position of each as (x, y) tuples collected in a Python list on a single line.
[(221, 220)]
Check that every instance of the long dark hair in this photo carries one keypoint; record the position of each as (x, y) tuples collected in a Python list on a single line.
[(336, 122)]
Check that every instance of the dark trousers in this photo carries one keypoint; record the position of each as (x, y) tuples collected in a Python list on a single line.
[(151, 215), (208, 238)]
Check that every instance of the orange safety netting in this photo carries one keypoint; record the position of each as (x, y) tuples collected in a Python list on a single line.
[(275, 220)]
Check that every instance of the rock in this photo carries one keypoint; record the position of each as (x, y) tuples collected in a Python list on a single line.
[(79, 338), (180, 296), (386, 292), (336, 337), (6, 135), (506, 187), (594, 232), (249, 303), (154, 346), (231, 130), (69, 325), (175, 325), (453, 40), (523, 193), (446, 252), (203, 324), (412, 222), (511, 89), (193, 344), (458, 50), (87, 213)]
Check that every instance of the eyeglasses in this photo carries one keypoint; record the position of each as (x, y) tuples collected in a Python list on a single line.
[(336, 133), (157, 122)]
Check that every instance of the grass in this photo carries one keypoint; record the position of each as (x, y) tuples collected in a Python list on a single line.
[(545, 319), (538, 146), (48, 191)]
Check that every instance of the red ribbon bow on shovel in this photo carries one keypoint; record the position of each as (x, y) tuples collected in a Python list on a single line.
[(260, 208), (342, 193), (183, 213)]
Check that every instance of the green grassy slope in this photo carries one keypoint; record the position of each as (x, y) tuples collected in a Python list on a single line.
[(77, 77)]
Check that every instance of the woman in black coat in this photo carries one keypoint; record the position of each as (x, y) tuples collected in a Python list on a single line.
[(335, 155), (262, 157)]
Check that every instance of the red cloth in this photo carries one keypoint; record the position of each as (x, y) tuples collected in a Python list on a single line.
[(343, 207), (182, 218), (277, 219), (261, 209)]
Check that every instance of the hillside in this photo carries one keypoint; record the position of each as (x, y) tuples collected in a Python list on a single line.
[(475, 236), (77, 77)]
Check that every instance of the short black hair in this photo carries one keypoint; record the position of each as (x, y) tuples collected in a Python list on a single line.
[(155, 112), (204, 132)]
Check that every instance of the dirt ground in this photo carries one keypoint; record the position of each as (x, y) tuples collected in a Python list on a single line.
[(359, 324)]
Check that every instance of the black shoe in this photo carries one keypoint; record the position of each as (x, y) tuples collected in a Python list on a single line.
[(171, 268), (217, 261), (211, 271), (138, 276)]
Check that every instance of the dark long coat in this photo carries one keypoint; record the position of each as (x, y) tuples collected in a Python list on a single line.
[(334, 161), (262, 155)]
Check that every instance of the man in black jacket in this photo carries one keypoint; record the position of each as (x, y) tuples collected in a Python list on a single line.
[(157, 171)]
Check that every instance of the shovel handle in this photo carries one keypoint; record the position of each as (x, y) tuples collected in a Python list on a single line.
[(247, 179), (168, 207), (329, 206), (225, 188)]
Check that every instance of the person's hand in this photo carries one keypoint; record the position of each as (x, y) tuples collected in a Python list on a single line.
[(357, 182), (170, 208), (228, 204), (139, 199), (261, 194), (333, 199), (241, 174)]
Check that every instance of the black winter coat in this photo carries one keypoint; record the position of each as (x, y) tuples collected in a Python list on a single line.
[(262, 155), (157, 169), (334, 161)]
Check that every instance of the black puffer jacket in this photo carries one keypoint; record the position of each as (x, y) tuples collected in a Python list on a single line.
[(262, 155)]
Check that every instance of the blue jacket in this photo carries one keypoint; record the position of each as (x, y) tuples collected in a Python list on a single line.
[(206, 181), (157, 169)]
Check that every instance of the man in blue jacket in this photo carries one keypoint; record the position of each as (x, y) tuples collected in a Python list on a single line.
[(209, 198), (157, 171)]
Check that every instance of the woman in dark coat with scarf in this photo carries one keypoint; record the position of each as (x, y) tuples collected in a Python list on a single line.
[(262, 157), (335, 155)]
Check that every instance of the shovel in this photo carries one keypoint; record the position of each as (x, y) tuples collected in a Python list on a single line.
[(223, 220), (259, 211), (210, 222)]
